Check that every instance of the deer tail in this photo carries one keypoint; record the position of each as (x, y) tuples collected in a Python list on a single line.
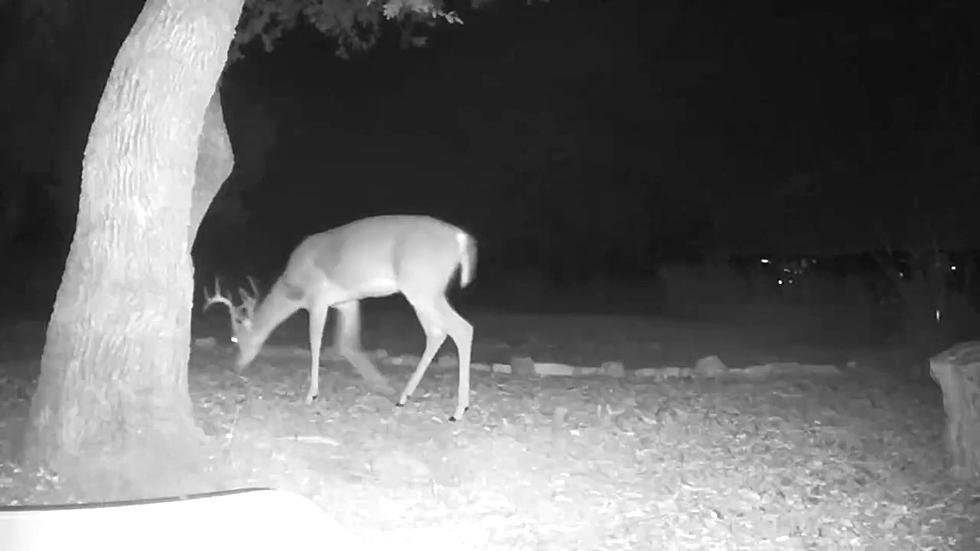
[(467, 258)]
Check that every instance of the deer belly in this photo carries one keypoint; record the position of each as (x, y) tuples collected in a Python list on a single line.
[(377, 287)]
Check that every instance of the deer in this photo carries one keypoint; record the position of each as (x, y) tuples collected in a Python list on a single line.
[(378, 256)]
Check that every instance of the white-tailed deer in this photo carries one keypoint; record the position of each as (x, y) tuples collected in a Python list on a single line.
[(372, 257)]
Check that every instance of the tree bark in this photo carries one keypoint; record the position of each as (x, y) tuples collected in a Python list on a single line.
[(114, 367), (957, 372), (215, 161)]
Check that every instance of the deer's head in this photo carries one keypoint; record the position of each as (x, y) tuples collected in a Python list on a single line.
[(241, 319)]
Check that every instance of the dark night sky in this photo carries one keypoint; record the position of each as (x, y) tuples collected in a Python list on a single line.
[(611, 132)]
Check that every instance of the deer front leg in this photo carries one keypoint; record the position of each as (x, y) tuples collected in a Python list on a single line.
[(348, 343)]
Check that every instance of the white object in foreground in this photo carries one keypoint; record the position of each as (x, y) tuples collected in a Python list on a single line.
[(243, 520), (416, 256)]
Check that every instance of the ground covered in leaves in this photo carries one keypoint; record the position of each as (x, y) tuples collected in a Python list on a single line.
[(846, 461)]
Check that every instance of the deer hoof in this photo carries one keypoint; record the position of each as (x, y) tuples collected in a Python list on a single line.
[(402, 401), (454, 418)]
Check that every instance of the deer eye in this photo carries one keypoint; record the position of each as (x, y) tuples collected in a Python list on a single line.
[(234, 339)]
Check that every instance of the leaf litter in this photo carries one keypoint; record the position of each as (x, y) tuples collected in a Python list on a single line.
[(580, 462)]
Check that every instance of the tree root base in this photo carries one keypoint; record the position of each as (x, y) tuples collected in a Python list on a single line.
[(957, 371)]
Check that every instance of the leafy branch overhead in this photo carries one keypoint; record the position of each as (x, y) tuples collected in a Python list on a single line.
[(356, 24)]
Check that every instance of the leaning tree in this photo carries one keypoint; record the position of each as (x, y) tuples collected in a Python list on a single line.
[(113, 378)]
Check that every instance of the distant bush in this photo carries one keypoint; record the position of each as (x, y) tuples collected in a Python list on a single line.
[(531, 290), (814, 303), (693, 288)]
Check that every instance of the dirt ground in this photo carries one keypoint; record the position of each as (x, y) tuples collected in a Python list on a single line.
[(846, 461)]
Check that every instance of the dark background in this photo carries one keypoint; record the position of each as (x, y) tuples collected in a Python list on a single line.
[(583, 142)]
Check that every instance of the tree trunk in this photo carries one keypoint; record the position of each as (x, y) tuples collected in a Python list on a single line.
[(957, 371), (113, 377), (214, 163)]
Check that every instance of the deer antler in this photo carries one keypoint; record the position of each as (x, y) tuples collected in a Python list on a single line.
[(249, 299), (236, 313), (241, 315), (216, 297), (251, 283)]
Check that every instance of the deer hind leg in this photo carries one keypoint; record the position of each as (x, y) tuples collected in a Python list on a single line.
[(347, 342), (434, 337), (318, 318), (461, 332), (439, 319)]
